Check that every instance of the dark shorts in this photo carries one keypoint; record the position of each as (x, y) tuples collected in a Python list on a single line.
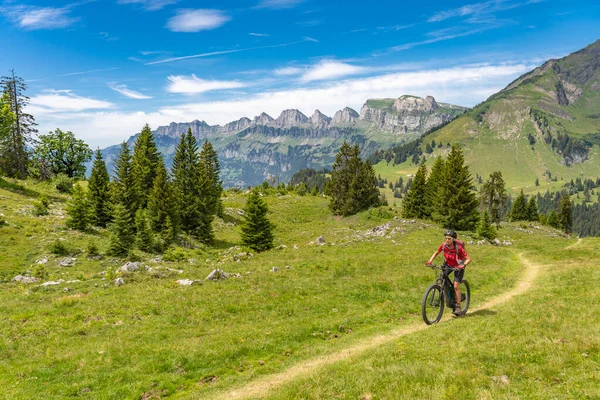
[(458, 275)]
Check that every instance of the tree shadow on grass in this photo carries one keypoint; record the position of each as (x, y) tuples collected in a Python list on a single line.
[(480, 313), (227, 218), (18, 189), (219, 244)]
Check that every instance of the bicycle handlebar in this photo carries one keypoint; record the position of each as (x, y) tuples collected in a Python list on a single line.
[(441, 267)]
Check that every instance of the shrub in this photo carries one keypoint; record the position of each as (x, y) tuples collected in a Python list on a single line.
[(174, 254), (92, 249), (40, 271), (59, 248), (40, 207), (379, 213), (63, 183)]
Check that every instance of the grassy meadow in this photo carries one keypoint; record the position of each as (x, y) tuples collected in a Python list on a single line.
[(152, 338)]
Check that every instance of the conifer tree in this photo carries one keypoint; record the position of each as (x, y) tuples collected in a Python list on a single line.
[(353, 185), (493, 196), (122, 234), (458, 204), (79, 209), (143, 238), (162, 205), (210, 162), (144, 162), (257, 230), (99, 193), (532, 210), (433, 186), (519, 208), (552, 220), (415, 204), (485, 230), (14, 156), (123, 188), (207, 204), (565, 214)]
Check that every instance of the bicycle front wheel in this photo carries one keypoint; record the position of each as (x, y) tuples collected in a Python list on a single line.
[(432, 306)]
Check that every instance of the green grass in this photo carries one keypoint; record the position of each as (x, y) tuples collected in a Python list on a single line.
[(152, 337)]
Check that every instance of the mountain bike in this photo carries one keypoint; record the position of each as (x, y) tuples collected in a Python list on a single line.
[(442, 294)]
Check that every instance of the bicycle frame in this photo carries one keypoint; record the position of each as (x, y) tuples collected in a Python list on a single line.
[(447, 285)]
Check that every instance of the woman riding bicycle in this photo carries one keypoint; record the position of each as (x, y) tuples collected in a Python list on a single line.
[(455, 256)]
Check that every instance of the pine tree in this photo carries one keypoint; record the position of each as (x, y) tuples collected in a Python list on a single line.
[(162, 205), (143, 238), (192, 189), (458, 204), (99, 194), (552, 220), (345, 169), (144, 162), (433, 186), (210, 162), (485, 230), (14, 157), (493, 196), (206, 203), (532, 210), (565, 214), (122, 188), (122, 235), (79, 209), (353, 185), (415, 204), (519, 208), (257, 230)]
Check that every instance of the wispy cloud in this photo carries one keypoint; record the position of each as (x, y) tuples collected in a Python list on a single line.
[(34, 18), (193, 84), (288, 71), (278, 4), (125, 91), (329, 69), (106, 36), (188, 20), (435, 39), (88, 72), (57, 101), (150, 5), (258, 34), (480, 9), (216, 53)]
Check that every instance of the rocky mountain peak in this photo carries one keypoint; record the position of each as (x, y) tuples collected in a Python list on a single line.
[(345, 116), (408, 104), (263, 119), (319, 119), (289, 118)]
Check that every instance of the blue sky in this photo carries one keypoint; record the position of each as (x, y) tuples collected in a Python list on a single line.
[(104, 68)]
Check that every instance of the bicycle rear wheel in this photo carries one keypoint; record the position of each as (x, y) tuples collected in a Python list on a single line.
[(432, 306), (465, 296)]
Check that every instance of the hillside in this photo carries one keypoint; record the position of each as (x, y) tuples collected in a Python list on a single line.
[(545, 125), (339, 320), (266, 148)]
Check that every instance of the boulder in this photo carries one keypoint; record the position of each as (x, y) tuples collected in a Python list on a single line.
[(25, 279), (130, 267), (217, 274), (119, 282), (187, 282), (52, 283), (67, 262), (321, 240)]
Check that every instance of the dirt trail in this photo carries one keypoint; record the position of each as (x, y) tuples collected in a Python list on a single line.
[(576, 244), (262, 386)]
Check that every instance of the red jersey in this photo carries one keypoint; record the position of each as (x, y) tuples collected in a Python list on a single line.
[(453, 254)]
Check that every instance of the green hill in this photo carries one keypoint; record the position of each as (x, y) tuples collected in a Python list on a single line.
[(545, 125), (338, 320)]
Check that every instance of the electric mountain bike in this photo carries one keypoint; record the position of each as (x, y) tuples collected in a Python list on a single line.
[(442, 294)]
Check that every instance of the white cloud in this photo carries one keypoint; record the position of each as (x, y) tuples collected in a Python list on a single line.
[(258, 34), (57, 101), (462, 85), (150, 5), (132, 94), (331, 70), (34, 18), (278, 4), (193, 84), (287, 71), (188, 20)]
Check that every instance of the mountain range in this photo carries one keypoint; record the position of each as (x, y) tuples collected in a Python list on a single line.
[(266, 148)]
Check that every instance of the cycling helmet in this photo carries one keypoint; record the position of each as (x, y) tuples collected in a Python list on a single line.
[(451, 233)]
